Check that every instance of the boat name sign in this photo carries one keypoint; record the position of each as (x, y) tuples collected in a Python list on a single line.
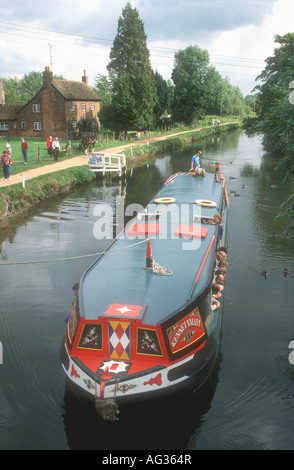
[(187, 331)]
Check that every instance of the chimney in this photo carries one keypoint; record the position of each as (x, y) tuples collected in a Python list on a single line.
[(85, 78), (2, 94), (47, 76)]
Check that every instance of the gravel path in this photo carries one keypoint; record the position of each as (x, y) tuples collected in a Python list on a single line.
[(77, 161)]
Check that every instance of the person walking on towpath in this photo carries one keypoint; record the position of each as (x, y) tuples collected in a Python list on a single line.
[(195, 162), (49, 145), (5, 163), (24, 149), (55, 147)]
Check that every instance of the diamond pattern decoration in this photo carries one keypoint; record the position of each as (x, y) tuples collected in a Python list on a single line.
[(119, 340)]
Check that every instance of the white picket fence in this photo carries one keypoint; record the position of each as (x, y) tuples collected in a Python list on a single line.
[(107, 162)]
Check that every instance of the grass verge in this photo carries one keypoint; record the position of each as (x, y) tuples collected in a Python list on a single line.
[(15, 199)]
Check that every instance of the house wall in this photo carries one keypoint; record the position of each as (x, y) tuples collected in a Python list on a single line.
[(82, 112), (47, 110), (54, 114), (49, 113), (12, 128)]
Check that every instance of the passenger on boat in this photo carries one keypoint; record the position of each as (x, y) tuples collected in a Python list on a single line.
[(222, 264), (222, 271), (221, 256), (216, 219), (216, 291), (195, 162), (219, 279), (223, 249), (219, 176), (75, 287), (214, 304)]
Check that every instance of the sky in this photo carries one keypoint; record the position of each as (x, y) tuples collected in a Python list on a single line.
[(71, 36)]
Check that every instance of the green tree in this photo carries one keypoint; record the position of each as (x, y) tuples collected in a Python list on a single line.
[(197, 85), (22, 90), (30, 84), (275, 112), (11, 88), (163, 95), (131, 76), (103, 89)]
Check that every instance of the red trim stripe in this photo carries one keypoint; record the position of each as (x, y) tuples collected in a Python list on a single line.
[(175, 174), (204, 260)]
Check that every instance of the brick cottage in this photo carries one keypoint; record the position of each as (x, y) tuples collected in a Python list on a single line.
[(55, 110)]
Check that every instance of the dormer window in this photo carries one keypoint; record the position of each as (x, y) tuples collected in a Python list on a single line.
[(36, 108)]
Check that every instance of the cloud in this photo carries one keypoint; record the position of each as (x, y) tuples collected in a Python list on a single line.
[(163, 19), (190, 20), (79, 34)]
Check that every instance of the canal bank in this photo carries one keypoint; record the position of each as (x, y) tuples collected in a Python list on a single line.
[(28, 188)]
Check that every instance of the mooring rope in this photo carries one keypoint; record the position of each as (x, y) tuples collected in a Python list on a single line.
[(72, 257)]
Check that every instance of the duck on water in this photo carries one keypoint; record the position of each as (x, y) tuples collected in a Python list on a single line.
[(144, 321)]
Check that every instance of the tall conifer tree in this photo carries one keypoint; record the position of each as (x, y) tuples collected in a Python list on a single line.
[(132, 80)]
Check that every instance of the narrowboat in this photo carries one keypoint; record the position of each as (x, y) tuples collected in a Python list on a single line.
[(144, 321)]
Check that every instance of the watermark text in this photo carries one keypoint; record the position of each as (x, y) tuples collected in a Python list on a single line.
[(111, 221)]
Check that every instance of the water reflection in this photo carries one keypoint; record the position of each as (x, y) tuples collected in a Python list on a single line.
[(166, 424)]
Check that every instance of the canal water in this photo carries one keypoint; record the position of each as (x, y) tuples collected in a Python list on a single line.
[(247, 402)]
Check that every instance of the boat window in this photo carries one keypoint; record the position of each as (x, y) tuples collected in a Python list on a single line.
[(149, 215), (203, 220)]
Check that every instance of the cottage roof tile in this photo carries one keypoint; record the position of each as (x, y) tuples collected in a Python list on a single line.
[(8, 111), (71, 90)]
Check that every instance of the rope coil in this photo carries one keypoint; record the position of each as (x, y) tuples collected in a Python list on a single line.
[(157, 269)]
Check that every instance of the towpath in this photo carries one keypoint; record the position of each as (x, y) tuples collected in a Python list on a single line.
[(80, 160)]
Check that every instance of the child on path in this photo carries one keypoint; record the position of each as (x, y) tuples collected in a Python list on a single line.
[(5, 163)]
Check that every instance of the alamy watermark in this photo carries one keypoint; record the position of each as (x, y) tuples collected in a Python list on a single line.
[(111, 221)]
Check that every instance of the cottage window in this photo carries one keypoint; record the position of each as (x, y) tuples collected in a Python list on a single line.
[(36, 108), (37, 126), (3, 126), (73, 106), (74, 124), (83, 105), (93, 106), (23, 125)]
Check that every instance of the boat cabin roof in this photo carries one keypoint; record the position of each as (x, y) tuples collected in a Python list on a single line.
[(118, 285)]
